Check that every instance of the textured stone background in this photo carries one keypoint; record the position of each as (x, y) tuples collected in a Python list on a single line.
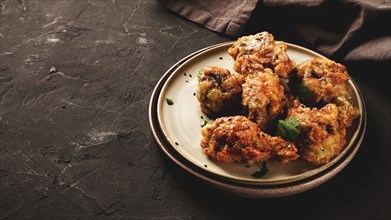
[(76, 78)]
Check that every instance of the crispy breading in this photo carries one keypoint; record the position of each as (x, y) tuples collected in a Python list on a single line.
[(259, 51), (325, 79), (321, 136), (236, 138), (270, 87), (263, 97), (218, 90), (327, 82)]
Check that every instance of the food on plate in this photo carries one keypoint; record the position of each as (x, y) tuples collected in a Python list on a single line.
[(255, 52), (307, 106), (218, 90), (263, 97), (321, 80), (347, 111), (324, 79), (321, 135), (238, 139)]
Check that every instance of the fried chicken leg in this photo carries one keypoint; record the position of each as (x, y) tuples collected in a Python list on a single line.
[(259, 51), (263, 97), (218, 90), (236, 138)]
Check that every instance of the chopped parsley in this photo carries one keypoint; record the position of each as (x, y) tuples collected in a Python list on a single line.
[(262, 170), (200, 73), (205, 122), (288, 128), (169, 101), (304, 93)]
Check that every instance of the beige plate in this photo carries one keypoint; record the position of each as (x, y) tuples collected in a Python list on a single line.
[(180, 122)]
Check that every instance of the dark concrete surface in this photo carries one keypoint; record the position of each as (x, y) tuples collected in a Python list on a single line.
[(76, 78)]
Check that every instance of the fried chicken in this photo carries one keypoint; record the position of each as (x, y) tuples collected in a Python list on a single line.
[(270, 87), (325, 81), (322, 136), (218, 91), (237, 139), (263, 97), (259, 51)]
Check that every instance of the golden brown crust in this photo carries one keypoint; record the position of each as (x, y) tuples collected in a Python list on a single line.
[(218, 90), (325, 78), (262, 64), (259, 51), (284, 151), (263, 97), (283, 65), (347, 112), (328, 83), (321, 137), (236, 138)]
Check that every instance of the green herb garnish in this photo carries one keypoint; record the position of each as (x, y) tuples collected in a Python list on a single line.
[(284, 83), (200, 73), (288, 128), (169, 101), (304, 93), (262, 171), (205, 122)]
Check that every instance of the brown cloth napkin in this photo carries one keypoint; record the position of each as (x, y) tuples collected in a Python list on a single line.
[(345, 30), (228, 17)]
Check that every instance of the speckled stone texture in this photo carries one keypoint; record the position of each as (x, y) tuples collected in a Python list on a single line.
[(75, 143)]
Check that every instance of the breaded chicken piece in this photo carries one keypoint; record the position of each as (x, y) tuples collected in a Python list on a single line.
[(263, 97), (237, 139), (323, 80), (282, 64), (321, 136), (347, 112), (218, 90), (261, 51)]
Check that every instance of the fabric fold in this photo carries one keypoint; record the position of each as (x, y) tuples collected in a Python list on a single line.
[(228, 17), (345, 30)]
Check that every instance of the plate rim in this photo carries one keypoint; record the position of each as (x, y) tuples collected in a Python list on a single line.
[(248, 189)]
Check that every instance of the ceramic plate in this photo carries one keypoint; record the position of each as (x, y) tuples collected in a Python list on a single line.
[(180, 122)]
